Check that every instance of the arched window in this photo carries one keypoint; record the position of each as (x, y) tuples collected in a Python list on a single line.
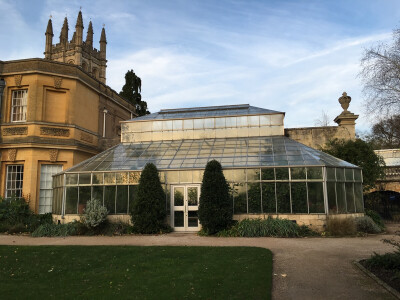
[(84, 66), (95, 73)]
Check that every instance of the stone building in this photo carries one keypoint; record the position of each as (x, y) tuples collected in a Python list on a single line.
[(391, 181), (55, 113)]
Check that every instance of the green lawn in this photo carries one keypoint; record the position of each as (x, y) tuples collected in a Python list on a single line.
[(105, 272)]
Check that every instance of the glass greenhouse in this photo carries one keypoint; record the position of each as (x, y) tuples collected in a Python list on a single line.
[(268, 173)]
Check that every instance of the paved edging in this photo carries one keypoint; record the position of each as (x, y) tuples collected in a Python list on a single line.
[(379, 281)]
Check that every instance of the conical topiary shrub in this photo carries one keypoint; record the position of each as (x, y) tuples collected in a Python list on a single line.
[(215, 208), (148, 211)]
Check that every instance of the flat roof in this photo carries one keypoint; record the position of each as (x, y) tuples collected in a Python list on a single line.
[(206, 111)]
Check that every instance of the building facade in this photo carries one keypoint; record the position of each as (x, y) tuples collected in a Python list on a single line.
[(55, 113)]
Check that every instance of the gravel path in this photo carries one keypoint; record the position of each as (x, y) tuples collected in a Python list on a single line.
[(306, 268)]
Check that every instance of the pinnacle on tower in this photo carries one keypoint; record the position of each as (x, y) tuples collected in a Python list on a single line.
[(49, 30), (79, 20), (103, 36), (64, 32), (89, 36)]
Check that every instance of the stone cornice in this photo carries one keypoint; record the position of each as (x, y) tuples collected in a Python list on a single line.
[(46, 67)]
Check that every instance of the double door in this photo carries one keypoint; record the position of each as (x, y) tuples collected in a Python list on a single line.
[(185, 206)]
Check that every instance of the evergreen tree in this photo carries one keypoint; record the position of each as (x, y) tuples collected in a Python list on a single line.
[(131, 92), (148, 212), (215, 208)]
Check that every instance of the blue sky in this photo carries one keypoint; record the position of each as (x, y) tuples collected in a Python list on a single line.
[(292, 56)]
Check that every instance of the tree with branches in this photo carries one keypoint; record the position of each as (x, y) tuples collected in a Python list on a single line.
[(386, 133), (381, 77)]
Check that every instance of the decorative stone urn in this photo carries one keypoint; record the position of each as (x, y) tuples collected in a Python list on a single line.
[(345, 101)]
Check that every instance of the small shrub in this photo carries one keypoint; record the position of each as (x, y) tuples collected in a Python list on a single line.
[(267, 228), (340, 227), (17, 228), (49, 230), (367, 225), (388, 261), (95, 214), (375, 217), (215, 208)]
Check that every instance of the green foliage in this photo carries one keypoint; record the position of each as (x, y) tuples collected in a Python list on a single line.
[(267, 228), (215, 208), (341, 227), (16, 217), (95, 214), (131, 92), (50, 230), (359, 153), (148, 212), (367, 225), (375, 217)]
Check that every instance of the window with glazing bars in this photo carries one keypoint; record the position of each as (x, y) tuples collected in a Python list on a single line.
[(15, 177), (18, 105)]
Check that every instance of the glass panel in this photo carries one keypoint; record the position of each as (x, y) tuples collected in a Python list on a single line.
[(350, 197), (241, 121), (314, 173), (268, 197), (134, 177), (193, 219), (298, 173), (357, 175), (177, 124), (157, 125), (72, 179), (239, 198), (122, 199), (167, 125), (267, 174), (349, 174), (220, 122), (265, 120), (208, 123), (331, 197), (84, 196), (84, 178), (197, 176), (254, 121), (122, 178), (178, 196), (240, 175), (97, 178), (299, 197), (254, 196), (97, 193), (316, 197), (109, 178), (173, 177), (330, 174), (230, 122), (109, 198), (198, 123), (192, 196), (132, 195), (188, 124), (282, 173), (339, 174), (71, 204), (358, 193), (178, 219), (253, 174), (341, 200), (283, 196), (185, 176)]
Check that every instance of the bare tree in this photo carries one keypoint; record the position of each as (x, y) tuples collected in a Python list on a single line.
[(323, 120), (381, 77), (386, 133)]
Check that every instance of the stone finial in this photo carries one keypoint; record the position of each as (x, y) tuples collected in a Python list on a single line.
[(345, 101), (89, 36), (49, 29), (64, 32), (79, 20)]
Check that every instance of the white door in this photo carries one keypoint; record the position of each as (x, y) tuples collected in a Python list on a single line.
[(185, 206)]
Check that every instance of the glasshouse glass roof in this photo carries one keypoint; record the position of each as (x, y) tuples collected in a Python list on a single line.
[(194, 154), (210, 111)]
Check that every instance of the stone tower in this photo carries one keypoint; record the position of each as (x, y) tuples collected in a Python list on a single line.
[(76, 51)]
